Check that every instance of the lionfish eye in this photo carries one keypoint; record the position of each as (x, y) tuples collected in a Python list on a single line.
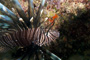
[(16, 29)]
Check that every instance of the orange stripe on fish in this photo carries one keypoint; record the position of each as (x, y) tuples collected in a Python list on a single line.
[(53, 18)]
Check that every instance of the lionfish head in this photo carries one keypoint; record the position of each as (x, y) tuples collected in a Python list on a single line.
[(18, 29)]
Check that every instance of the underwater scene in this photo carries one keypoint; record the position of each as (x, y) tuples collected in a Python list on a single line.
[(44, 29)]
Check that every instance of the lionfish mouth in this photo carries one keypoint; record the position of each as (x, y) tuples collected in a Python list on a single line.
[(19, 31)]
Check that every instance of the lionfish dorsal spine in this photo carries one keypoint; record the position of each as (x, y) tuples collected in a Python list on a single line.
[(36, 20), (30, 9), (21, 12)]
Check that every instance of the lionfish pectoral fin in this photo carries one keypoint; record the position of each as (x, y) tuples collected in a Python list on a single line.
[(8, 21), (6, 18), (7, 25), (51, 55), (5, 11)]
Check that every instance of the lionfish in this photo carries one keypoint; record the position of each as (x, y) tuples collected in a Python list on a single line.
[(18, 30)]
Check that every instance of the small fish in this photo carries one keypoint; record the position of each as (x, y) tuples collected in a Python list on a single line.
[(52, 19)]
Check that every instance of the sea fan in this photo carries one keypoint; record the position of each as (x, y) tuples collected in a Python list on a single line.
[(26, 32)]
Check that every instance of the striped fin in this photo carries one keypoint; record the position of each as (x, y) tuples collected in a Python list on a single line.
[(4, 42), (42, 38), (7, 39), (21, 12), (46, 39)]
